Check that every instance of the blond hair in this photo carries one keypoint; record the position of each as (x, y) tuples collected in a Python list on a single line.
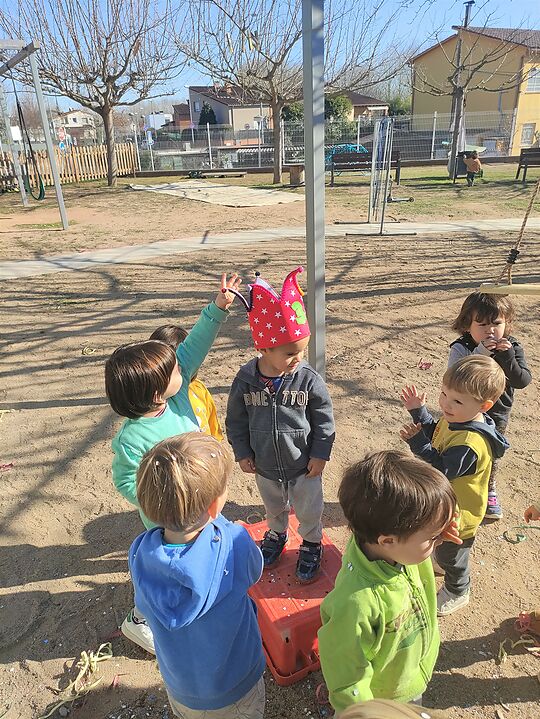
[(386, 709), (478, 376), (179, 478)]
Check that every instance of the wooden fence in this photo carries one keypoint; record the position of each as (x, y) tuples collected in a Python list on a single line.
[(75, 164)]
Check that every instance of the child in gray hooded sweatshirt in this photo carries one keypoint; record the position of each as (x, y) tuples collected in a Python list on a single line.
[(280, 422)]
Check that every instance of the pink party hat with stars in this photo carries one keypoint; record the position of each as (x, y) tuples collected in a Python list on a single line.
[(276, 320)]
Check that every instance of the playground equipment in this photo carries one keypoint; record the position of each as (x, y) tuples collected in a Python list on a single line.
[(288, 612), (380, 189), (509, 287), (27, 52)]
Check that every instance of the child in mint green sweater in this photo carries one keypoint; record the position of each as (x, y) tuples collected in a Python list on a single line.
[(148, 384), (379, 636)]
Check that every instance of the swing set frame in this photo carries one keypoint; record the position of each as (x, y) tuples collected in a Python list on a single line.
[(26, 51)]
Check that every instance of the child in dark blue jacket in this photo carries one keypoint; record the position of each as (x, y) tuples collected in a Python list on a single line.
[(191, 579)]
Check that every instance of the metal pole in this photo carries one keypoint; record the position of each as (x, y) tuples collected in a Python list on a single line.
[(313, 56), (458, 95), (150, 142), (388, 142), (374, 151), (358, 134), (135, 139), (48, 140), (432, 154), (512, 131), (260, 134), (11, 147), (209, 144)]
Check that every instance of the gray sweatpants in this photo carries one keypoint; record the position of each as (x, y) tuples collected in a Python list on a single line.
[(305, 495), (454, 559)]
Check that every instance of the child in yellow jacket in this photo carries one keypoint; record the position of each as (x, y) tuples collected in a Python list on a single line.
[(200, 398)]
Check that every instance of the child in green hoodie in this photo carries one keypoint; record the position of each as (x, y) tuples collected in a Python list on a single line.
[(379, 636)]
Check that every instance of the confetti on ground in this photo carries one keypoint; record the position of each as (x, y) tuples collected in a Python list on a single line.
[(422, 364), (6, 467), (88, 350)]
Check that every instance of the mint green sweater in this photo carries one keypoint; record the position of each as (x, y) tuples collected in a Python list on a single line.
[(137, 436), (379, 636)]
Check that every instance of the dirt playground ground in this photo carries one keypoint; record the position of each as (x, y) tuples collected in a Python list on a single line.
[(64, 586)]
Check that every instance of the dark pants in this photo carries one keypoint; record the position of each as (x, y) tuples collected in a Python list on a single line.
[(501, 425), (470, 178), (454, 559)]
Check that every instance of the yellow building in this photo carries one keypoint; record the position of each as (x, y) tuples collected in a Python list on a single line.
[(505, 62)]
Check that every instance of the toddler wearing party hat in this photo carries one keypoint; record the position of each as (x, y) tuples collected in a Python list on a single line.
[(280, 421)]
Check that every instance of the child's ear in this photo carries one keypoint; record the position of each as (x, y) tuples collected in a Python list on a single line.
[(214, 509), (386, 540), (487, 405)]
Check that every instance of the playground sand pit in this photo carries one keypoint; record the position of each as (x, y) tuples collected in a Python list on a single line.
[(64, 585)]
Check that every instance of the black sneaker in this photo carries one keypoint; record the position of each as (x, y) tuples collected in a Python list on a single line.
[(272, 545), (309, 562)]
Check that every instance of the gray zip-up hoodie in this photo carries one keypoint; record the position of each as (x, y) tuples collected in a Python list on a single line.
[(280, 431)]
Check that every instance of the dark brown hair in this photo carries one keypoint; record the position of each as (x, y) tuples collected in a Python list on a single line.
[(179, 478), (171, 334), (478, 376), (137, 373), (484, 307), (392, 493)]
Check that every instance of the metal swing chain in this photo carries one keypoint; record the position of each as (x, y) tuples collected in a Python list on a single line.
[(514, 252)]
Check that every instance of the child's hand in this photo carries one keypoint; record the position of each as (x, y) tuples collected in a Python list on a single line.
[(247, 465), (490, 343), (225, 299), (503, 344), (411, 399), (532, 514), (315, 467), (409, 431), (451, 532)]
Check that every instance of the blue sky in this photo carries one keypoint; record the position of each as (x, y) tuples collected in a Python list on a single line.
[(439, 15)]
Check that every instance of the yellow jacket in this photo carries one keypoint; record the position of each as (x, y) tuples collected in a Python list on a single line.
[(205, 409), (471, 489)]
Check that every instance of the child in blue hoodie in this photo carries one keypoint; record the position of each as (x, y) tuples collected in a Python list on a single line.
[(462, 445), (191, 580)]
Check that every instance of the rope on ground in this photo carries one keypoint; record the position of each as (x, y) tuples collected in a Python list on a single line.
[(80, 686), (519, 535)]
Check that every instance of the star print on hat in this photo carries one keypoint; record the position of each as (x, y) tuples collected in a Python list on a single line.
[(276, 320)]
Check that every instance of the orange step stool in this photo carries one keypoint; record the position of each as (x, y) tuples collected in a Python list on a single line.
[(289, 612)]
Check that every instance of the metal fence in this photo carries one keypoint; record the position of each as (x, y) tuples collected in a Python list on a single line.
[(419, 137)]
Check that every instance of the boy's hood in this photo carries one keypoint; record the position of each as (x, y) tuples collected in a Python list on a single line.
[(182, 582), (499, 443)]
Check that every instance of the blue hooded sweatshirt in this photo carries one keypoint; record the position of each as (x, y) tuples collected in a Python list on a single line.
[(194, 598)]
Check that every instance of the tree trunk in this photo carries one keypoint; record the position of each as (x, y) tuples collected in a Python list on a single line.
[(458, 119), (108, 127), (277, 106)]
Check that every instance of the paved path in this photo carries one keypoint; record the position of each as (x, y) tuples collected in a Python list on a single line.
[(136, 253)]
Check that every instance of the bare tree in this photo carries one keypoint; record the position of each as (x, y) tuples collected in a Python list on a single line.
[(471, 67), (256, 45), (100, 54)]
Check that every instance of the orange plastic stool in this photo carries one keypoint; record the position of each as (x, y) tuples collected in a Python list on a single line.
[(289, 612)]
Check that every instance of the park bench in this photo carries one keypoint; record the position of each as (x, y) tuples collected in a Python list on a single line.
[(529, 157), (360, 162)]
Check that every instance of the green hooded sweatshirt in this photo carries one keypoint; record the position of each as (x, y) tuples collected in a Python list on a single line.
[(379, 636)]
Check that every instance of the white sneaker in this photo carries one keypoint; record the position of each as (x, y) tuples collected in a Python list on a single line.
[(448, 603), (137, 630)]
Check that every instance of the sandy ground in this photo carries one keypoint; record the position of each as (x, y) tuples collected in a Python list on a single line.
[(64, 586)]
